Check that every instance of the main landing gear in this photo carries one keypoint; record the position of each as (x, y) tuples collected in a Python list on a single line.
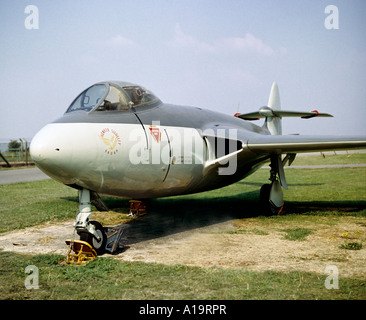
[(271, 198), (271, 195)]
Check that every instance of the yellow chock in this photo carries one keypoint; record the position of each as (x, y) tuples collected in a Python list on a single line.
[(137, 208), (80, 252)]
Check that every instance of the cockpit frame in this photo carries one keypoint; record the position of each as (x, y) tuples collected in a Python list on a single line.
[(114, 97)]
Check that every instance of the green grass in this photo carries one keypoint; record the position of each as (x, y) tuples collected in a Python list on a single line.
[(316, 196), (330, 158), (250, 231), (32, 203), (297, 234), (321, 185), (106, 278)]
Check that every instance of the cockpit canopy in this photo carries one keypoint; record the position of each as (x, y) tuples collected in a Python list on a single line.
[(113, 96)]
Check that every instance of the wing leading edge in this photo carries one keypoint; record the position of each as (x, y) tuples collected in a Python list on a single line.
[(299, 144)]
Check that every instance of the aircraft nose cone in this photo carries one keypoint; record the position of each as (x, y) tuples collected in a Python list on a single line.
[(41, 147), (49, 152)]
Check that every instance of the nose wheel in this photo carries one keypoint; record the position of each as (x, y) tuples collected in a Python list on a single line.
[(97, 240)]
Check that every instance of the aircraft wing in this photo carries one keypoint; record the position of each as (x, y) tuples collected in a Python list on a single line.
[(292, 144), (298, 143)]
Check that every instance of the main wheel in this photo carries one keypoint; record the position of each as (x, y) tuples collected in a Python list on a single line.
[(89, 238), (268, 207)]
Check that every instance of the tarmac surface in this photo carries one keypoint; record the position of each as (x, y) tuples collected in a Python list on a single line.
[(22, 175)]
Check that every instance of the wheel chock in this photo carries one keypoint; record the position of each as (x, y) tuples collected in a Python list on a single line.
[(137, 208), (80, 252)]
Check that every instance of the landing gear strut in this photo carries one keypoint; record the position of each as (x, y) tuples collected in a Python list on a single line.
[(271, 195), (89, 231)]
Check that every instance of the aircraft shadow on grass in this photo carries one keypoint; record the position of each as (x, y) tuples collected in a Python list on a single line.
[(168, 216)]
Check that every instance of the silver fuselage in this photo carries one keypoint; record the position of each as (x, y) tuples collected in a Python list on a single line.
[(156, 152)]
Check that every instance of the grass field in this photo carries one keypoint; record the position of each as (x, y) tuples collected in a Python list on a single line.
[(314, 196), (106, 278)]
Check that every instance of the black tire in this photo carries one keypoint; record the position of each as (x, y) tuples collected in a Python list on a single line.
[(99, 246), (267, 207)]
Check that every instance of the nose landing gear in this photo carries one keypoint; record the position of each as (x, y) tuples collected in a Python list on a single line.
[(101, 239), (91, 232)]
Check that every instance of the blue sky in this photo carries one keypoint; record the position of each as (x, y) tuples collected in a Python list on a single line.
[(220, 55)]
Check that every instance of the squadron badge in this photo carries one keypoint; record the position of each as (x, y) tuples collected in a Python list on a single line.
[(111, 139)]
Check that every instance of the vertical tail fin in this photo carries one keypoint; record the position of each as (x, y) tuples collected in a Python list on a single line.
[(273, 123)]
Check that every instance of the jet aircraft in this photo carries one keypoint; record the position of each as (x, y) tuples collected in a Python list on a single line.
[(119, 139)]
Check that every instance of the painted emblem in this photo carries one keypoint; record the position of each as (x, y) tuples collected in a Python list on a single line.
[(111, 139), (155, 132)]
